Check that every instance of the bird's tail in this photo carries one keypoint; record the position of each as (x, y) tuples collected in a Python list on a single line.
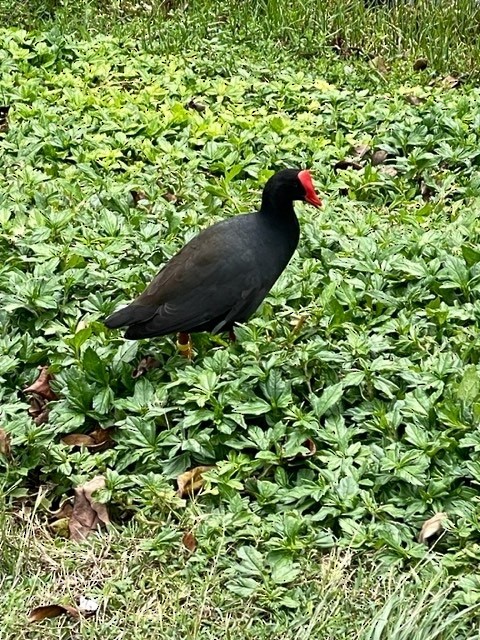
[(133, 314)]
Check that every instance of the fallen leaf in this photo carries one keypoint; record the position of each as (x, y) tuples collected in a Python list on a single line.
[(297, 323), (379, 157), (380, 66), (4, 118), (42, 418), (38, 409), (426, 191), (78, 440), (170, 197), (451, 82), (311, 450), (341, 165), (311, 446), (415, 100), (41, 386), (96, 440), (432, 527), (420, 64), (197, 106), (5, 443), (51, 611), (87, 514), (145, 365), (191, 481), (389, 171), (189, 541), (137, 196), (361, 150), (102, 439)]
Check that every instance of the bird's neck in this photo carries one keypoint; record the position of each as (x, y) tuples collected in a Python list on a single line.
[(276, 205), (279, 217)]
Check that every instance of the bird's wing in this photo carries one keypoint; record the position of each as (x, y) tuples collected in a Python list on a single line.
[(212, 277)]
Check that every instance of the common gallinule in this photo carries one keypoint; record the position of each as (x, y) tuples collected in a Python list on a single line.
[(222, 275)]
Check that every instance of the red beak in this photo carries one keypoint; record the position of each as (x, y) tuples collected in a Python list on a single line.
[(310, 194)]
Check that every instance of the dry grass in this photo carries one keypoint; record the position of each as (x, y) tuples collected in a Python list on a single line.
[(177, 594)]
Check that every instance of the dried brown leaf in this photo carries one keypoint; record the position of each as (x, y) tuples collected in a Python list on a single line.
[(361, 150), (38, 409), (52, 611), (420, 64), (380, 65), (102, 439), (170, 197), (5, 449), (341, 165), (379, 157), (311, 446), (189, 541), (432, 527), (37, 405), (451, 82), (41, 386), (78, 440), (96, 440), (191, 481), (137, 196), (87, 514), (4, 118), (297, 323), (197, 106), (426, 191), (145, 365), (388, 170), (415, 100), (42, 417)]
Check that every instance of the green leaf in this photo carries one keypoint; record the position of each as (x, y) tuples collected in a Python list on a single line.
[(80, 338), (254, 408), (284, 570), (469, 387), (243, 587), (329, 398), (252, 561), (94, 367), (103, 401), (143, 393)]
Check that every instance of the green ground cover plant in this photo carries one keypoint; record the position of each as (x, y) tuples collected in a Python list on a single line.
[(346, 414)]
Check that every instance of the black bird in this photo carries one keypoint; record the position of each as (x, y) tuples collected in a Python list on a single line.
[(222, 275)]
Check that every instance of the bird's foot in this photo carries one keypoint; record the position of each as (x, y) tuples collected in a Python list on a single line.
[(184, 345)]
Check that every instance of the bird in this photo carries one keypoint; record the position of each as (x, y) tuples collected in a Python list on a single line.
[(221, 276)]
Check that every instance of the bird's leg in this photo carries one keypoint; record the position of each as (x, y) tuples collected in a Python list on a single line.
[(232, 336), (184, 345)]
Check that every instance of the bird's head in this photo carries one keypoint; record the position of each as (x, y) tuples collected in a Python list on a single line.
[(288, 185)]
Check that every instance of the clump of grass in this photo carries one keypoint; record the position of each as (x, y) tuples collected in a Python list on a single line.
[(446, 33), (180, 594)]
